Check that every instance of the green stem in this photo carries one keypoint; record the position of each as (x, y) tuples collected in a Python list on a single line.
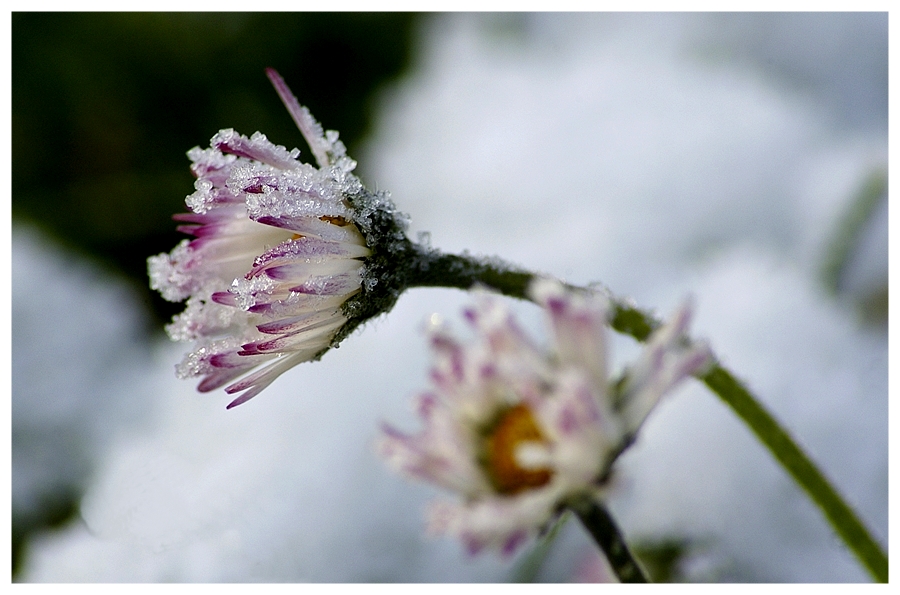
[(602, 527), (528, 568), (446, 270), (802, 469), (845, 239), (430, 268)]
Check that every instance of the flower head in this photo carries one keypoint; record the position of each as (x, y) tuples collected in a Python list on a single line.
[(277, 256), (518, 432)]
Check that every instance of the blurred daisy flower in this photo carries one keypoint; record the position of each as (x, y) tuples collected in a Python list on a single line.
[(518, 433), (278, 249)]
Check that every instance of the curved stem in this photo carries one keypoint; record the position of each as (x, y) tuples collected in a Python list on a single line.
[(447, 270), (794, 460), (430, 268), (602, 527)]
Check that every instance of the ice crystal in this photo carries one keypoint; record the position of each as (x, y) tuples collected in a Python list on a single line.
[(279, 268)]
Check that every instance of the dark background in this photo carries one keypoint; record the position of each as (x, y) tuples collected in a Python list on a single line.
[(105, 106)]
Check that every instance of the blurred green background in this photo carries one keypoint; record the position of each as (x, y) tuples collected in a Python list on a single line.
[(105, 105)]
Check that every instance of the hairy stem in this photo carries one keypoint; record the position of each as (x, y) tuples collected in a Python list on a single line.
[(434, 269)]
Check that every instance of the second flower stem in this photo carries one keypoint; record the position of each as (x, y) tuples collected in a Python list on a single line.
[(602, 527), (433, 269)]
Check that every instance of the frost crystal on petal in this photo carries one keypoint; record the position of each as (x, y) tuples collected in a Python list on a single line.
[(165, 277), (275, 254)]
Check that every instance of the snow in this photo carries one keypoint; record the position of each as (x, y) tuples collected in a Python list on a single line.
[(662, 155)]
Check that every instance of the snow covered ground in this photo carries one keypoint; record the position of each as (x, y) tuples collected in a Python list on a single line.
[(663, 155)]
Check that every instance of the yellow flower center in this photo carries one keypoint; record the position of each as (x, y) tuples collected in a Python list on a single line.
[(334, 220), (513, 427)]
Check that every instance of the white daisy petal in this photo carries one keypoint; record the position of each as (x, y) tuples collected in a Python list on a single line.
[(516, 432), (274, 257)]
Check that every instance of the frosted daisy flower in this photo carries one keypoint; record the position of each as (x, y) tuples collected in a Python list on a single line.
[(276, 255), (518, 433)]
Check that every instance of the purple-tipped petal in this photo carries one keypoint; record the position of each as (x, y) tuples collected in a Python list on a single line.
[(219, 378), (311, 130), (256, 148), (517, 432), (513, 542), (249, 303)]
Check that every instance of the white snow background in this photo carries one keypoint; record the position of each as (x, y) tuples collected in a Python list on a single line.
[(663, 155)]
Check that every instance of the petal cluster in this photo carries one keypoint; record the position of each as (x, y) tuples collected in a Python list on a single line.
[(516, 431), (274, 256)]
